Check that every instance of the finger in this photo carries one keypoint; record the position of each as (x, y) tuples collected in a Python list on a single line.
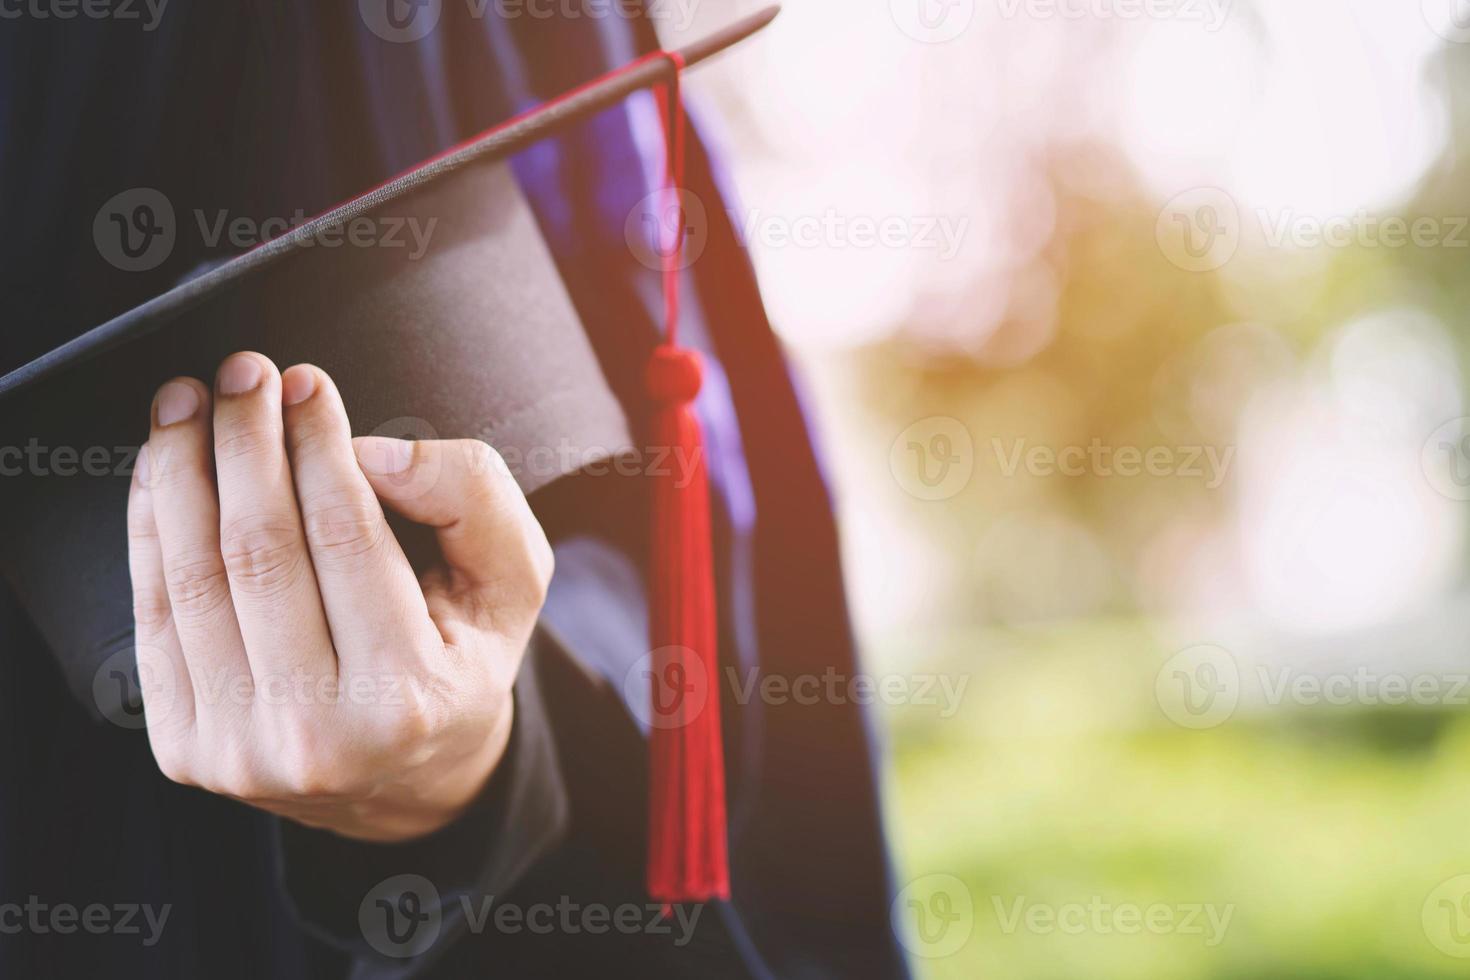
[(163, 676), (498, 557), (261, 538), (180, 472), (372, 598)]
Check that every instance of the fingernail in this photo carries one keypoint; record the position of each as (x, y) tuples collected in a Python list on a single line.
[(140, 468), (297, 384), (384, 456), (176, 401), (239, 374)]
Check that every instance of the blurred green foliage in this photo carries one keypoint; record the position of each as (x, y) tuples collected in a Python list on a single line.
[(1057, 783)]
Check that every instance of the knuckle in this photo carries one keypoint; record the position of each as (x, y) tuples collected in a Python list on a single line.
[(196, 586), (480, 457), (310, 775), (489, 477), (246, 442), (533, 564), (543, 564), (342, 526), (151, 608), (311, 430), (175, 470), (142, 529), (410, 723), (173, 762), (308, 765), (175, 461), (233, 773), (415, 723), (308, 781), (261, 553), (406, 729)]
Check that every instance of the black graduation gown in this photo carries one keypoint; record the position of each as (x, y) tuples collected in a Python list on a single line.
[(273, 108)]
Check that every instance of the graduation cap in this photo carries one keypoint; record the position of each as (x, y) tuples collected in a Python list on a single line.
[(474, 338)]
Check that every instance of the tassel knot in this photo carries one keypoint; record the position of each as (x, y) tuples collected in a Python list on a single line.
[(673, 376)]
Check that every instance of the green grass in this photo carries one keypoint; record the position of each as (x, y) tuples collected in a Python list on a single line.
[(1058, 782)]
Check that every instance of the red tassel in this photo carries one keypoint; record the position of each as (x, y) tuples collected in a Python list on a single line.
[(688, 858)]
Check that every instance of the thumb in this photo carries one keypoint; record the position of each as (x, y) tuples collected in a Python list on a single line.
[(492, 543)]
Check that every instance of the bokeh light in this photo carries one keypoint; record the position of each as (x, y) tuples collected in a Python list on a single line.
[(1198, 319)]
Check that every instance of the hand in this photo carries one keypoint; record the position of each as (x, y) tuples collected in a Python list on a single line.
[(288, 656)]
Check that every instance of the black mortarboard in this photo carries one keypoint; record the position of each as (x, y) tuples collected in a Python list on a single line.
[(474, 337)]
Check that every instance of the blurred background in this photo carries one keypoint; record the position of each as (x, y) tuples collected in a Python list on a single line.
[(1135, 332)]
